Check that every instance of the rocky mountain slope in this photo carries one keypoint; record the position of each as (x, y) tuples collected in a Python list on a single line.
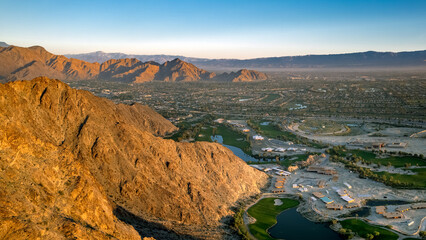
[(178, 70), (371, 59), (242, 75), (100, 56), (27, 63), (73, 165), (133, 70)]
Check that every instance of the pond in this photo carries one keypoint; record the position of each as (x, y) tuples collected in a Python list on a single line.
[(378, 202), (237, 151), (362, 212), (291, 225)]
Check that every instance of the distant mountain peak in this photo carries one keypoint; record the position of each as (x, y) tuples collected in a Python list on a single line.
[(368, 59), (243, 75), (27, 63), (4, 44), (175, 62), (36, 47)]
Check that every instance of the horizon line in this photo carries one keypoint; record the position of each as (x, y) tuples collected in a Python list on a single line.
[(279, 56), (208, 58)]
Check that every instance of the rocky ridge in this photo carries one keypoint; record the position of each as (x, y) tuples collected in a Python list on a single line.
[(3, 44), (243, 75), (368, 60), (27, 63), (73, 165)]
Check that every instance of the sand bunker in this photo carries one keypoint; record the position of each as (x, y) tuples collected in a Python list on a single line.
[(278, 202)]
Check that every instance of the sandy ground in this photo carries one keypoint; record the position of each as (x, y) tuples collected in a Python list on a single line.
[(362, 189), (296, 126), (374, 132), (401, 225), (415, 145), (257, 145), (391, 169)]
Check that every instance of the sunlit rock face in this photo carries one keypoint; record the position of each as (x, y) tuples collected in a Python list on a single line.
[(73, 165)]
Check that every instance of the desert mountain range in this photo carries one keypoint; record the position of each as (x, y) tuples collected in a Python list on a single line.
[(3, 44), (76, 166), (370, 59), (27, 63)]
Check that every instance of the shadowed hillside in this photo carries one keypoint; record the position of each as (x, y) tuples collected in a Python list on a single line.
[(78, 166)]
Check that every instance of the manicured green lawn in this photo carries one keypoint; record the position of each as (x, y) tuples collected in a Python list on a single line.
[(320, 126), (353, 131), (271, 97), (270, 130), (230, 137), (206, 133), (367, 155), (399, 162), (362, 229), (287, 162), (396, 161), (364, 154), (300, 157), (417, 181), (273, 131), (266, 214)]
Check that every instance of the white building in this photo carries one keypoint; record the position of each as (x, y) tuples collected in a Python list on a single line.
[(258, 137), (347, 185), (279, 149)]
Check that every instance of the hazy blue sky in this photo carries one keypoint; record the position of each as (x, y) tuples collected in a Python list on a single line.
[(216, 28)]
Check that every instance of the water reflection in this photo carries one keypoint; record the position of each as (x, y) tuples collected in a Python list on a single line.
[(237, 151), (291, 225)]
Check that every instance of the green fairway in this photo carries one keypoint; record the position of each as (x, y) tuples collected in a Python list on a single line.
[(270, 130), (353, 131), (273, 131), (412, 181), (287, 162), (205, 133), (364, 154), (399, 162), (321, 126), (230, 137), (396, 161), (362, 229), (271, 97), (266, 214)]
